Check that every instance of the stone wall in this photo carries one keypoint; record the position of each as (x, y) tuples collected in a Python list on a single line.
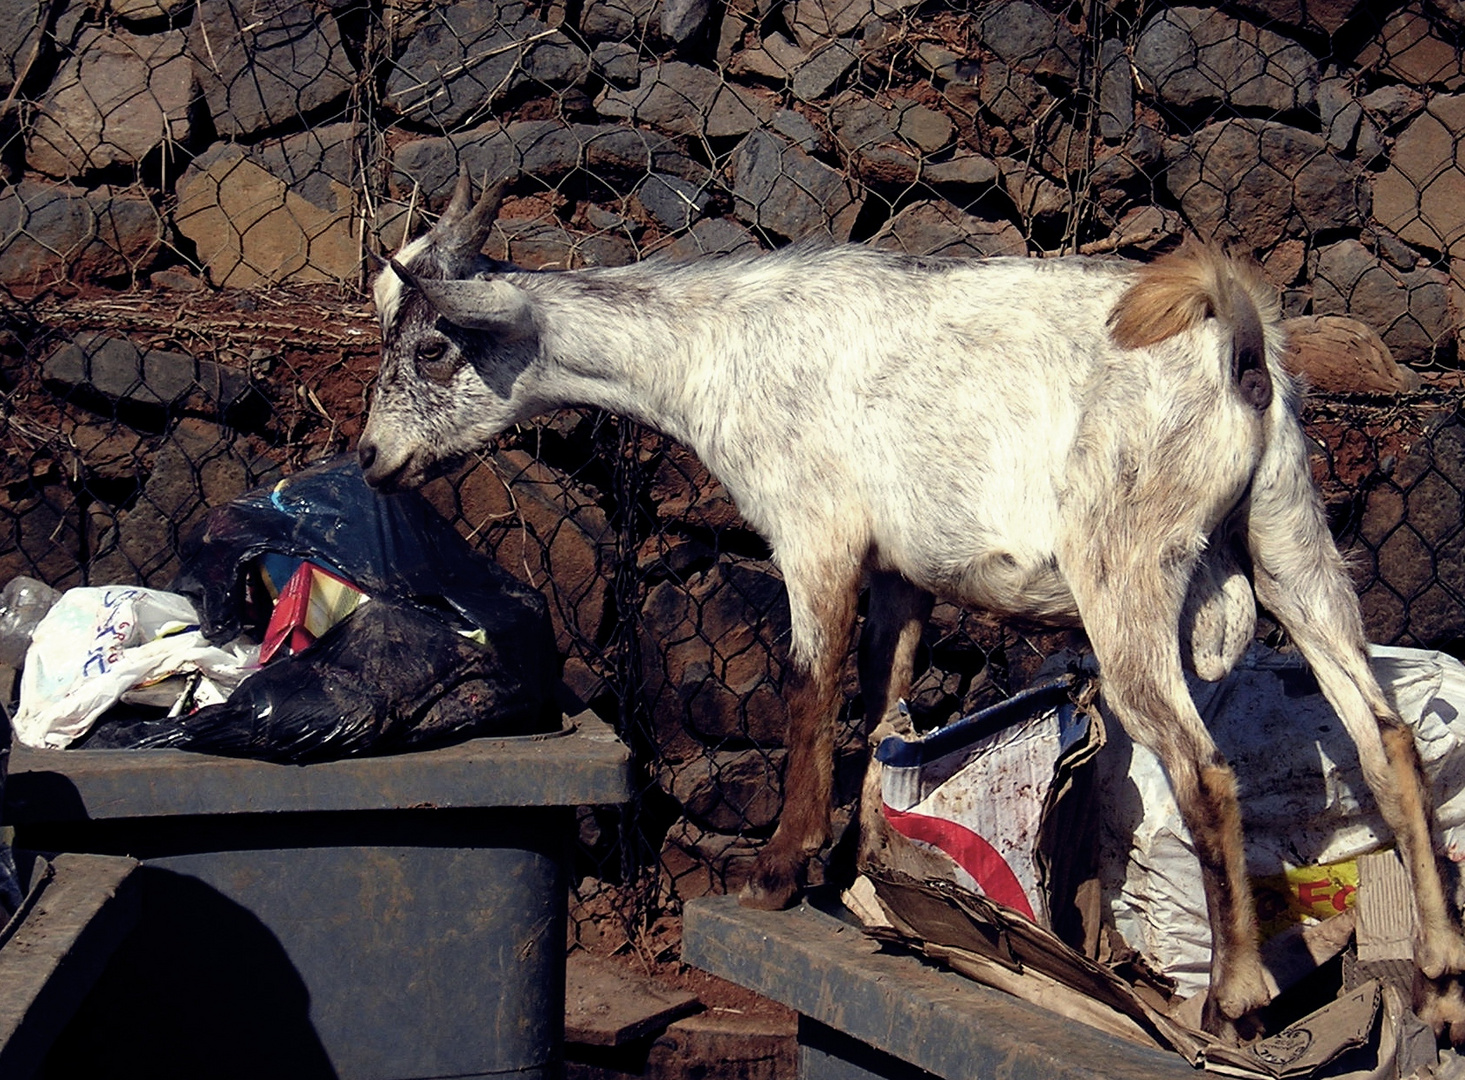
[(188, 188), (254, 144)]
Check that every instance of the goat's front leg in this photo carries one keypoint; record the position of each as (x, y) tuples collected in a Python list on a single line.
[(1131, 612), (821, 642)]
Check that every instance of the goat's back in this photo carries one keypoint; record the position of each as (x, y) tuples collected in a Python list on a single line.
[(944, 412)]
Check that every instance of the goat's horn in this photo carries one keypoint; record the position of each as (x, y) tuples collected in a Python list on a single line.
[(463, 228)]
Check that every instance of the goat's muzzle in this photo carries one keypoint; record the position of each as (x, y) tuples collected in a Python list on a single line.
[(371, 469)]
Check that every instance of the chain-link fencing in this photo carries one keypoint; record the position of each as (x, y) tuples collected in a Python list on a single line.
[(189, 188)]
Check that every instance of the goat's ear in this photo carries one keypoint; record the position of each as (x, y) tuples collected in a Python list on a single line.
[(493, 305), (405, 276), (464, 226)]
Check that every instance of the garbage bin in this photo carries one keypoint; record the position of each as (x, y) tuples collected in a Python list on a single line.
[(385, 918)]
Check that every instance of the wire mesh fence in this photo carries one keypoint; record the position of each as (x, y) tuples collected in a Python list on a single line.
[(189, 188)]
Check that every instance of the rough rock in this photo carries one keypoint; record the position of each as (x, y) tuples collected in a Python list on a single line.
[(935, 227), (320, 165), (685, 100), (1256, 180), (1410, 309), (797, 129), (826, 64), (1116, 90), (1410, 534), (1334, 354), (460, 57), (113, 102), (617, 20), (177, 279), (775, 58), (780, 188), (961, 168), (1339, 111), (118, 371), (684, 20), (681, 488), (614, 152), (1412, 49), (427, 169), (1195, 57), (20, 25), (1326, 15), (107, 450), (710, 236), (251, 229), (536, 245), (200, 465), (1035, 195), (713, 649), (815, 21), (698, 862), (48, 541), (148, 10), (543, 529), (1032, 39), (617, 62), (867, 133), (1011, 95), (926, 129), (942, 64), (49, 234), (673, 202), (1420, 197), (727, 790), (267, 63)]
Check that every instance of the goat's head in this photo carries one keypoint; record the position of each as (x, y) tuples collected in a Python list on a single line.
[(457, 340)]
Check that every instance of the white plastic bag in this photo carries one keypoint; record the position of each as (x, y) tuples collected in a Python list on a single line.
[(1303, 798), (95, 644)]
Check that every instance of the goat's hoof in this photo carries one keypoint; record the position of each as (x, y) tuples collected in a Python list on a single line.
[(1230, 1011), (1440, 1003), (775, 883), (1440, 956), (1232, 1030)]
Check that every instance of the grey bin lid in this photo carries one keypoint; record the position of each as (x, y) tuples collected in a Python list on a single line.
[(582, 764)]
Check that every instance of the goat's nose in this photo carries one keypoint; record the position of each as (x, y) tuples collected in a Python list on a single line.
[(366, 454)]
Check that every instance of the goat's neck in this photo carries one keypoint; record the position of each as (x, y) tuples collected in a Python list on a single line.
[(657, 347)]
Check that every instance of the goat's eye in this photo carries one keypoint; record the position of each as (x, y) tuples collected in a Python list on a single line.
[(434, 362)]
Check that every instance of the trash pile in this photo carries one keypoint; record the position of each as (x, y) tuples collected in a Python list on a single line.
[(1034, 848), (312, 620)]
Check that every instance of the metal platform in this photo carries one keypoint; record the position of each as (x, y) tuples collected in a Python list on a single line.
[(865, 1012)]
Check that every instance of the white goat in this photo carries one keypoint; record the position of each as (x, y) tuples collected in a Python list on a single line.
[(1064, 441)]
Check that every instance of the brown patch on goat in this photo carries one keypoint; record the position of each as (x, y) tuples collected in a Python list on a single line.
[(1176, 293)]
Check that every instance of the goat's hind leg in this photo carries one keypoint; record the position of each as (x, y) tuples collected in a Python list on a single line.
[(1300, 579), (888, 642), (1132, 614)]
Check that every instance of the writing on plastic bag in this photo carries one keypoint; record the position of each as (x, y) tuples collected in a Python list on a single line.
[(95, 644)]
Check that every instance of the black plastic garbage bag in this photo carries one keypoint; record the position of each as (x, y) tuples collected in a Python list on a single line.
[(395, 674), (386, 678), (387, 545)]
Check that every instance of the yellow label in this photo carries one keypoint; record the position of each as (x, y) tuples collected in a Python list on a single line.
[(1304, 894)]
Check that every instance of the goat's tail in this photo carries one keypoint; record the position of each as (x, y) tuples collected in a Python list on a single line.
[(1175, 293)]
